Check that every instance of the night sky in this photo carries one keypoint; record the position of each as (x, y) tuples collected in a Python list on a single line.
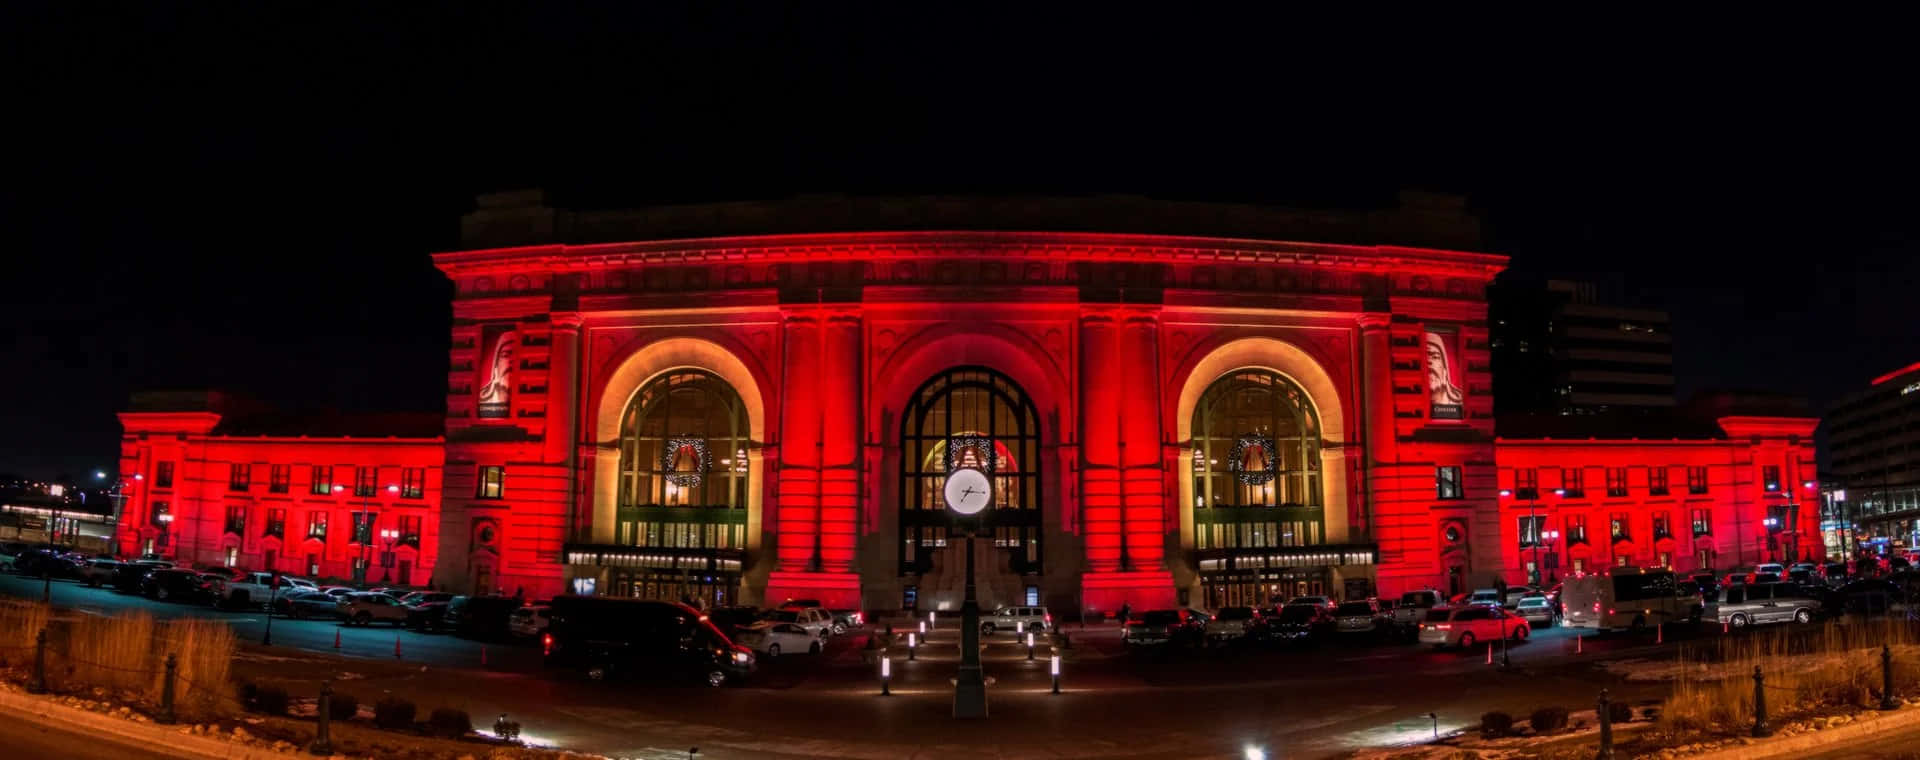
[(213, 196)]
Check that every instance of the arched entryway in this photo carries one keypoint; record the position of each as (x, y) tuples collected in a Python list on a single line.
[(1258, 498), (971, 417)]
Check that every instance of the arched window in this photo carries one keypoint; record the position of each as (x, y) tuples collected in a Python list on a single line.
[(1256, 444), (683, 444), (970, 417)]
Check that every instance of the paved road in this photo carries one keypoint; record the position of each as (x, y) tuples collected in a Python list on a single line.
[(32, 740), (1304, 703)]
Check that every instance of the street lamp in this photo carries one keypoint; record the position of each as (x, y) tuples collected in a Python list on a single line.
[(388, 535)]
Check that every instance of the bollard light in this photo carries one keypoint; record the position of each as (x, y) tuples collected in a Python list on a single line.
[(923, 627), (933, 619), (1255, 753), (1029, 645), (886, 676), (1019, 627), (1054, 666), (912, 643)]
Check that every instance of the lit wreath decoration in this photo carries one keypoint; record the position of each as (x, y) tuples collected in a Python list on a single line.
[(685, 479), (1236, 460), (981, 442)]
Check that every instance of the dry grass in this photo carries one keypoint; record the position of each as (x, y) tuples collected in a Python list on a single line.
[(19, 623), (113, 652), (127, 653), (1806, 671), (203, 654)]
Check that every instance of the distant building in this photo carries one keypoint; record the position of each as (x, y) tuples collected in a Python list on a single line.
[(1873, 463), (1567, 347)]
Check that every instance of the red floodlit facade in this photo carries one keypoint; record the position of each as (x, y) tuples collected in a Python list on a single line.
[(1164, 420), (321, 507)]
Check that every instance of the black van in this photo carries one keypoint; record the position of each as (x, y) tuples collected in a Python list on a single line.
[(479, 617), (607, 637)]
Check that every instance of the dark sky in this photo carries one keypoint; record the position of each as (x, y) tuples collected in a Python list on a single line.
[(219, 195)]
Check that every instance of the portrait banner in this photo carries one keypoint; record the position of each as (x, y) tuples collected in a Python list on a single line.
[(497, 344), (1446, 375)]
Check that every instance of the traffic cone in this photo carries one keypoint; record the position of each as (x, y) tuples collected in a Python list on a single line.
[(336, 638), (1489, 653), (396, 646), (1577, 647)]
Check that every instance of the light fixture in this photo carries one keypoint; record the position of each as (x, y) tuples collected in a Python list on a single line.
[(1559, 491), (391, 488), (1807, 484), (1504, 492)]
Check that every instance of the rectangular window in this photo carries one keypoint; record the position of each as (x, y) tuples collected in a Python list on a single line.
[(161, 514), (281, 477), (413, 482), (1573, 481), (1662, 525), (1033, 595), (313, 564), (1702, 522), (239, 476), (163, 475), (237, 520), (1530, 530), (492, 482), (1448, 481), (322, 480), (366, 481), (233, 556), (1526, 483), (1616, 481), (1771, 475), (1696, 480), (277, 523), (1576, 528), (1657, 481), (410, 531), (317, 525), (1777, 518), (362, 528), (1617, 525)]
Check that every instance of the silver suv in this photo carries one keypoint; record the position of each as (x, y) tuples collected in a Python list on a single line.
[(1011, 619), (1747, 604)]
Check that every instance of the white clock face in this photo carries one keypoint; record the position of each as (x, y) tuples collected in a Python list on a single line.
[(968, 491)]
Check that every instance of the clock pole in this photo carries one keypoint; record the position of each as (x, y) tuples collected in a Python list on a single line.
[(970, 687)]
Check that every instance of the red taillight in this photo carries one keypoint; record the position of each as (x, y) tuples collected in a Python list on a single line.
[(1444, 627), (1049, 618), (546, 643), (1609, 609)]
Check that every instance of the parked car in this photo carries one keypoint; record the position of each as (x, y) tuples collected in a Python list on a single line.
[(1537, 611), (846, 620), (1834, 573), (1760, 603), (1803, 573), (1463, 626), (428, 615), (98, 572), (1158, 629), (423, 597), (1413, 608), (10, 551), (814, 619), (1365, 616), (257, 588), (479, 617), (1511, 599), (177, 585), (128, 578), (771, 639), (1299, 623), (609, 638), (1013, 619), (1867, 596), (305, 604), (45, 561), (529, 621), (1234, 624), (1323, 602), (338, 591), (1485, 596), (365, 608)]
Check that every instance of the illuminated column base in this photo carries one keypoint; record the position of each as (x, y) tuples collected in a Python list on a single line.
[(1139, 590), (837, 591)]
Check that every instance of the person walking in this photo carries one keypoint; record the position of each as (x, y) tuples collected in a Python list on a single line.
[(1126, 613)]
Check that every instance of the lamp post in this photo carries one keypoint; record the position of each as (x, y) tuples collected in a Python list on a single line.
[(389, 536), (968, 491)]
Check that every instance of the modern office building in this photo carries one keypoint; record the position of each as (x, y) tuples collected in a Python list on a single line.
[(747, 403), (1573, 348), (1873, 463)]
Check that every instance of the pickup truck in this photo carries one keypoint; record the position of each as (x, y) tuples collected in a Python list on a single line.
[(1412, 610), (253, 589)]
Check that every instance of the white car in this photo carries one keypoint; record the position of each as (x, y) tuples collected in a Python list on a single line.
[(816, 621), (773, 639), (362, 608), (1232, 623), (530, 621), (1016, 619), (1465, 626), (256, 588), (1536, 610)]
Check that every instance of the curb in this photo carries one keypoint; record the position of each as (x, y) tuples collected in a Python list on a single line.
[(1905, 718), (166, 740)]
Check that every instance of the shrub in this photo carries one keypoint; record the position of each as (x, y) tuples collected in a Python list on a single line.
[(449, 723), (1547, 720), (393, 713), (1496, 724), (342, 706), (1619, 712), (271, 700)]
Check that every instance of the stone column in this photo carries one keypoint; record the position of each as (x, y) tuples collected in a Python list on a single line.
[(1139, 415), (1100, 487), (1376, 408), (797, 518), (817, 499), (840, 394), (563, 416)]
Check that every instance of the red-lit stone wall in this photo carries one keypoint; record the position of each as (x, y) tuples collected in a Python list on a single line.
[(202, 495)]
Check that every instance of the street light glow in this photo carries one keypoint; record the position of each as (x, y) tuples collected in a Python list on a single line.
[(1255, 753)]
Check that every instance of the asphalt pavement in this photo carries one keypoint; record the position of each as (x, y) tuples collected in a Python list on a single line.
[(1300, 703), (34, 740)]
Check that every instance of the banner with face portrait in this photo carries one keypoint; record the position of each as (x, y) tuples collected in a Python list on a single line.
[(498, 344), (1446, 375)]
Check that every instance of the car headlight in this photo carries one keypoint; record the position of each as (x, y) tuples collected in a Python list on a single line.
[(742, 658)]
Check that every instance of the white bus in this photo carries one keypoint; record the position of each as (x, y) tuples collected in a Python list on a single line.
[(1628, 597)]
